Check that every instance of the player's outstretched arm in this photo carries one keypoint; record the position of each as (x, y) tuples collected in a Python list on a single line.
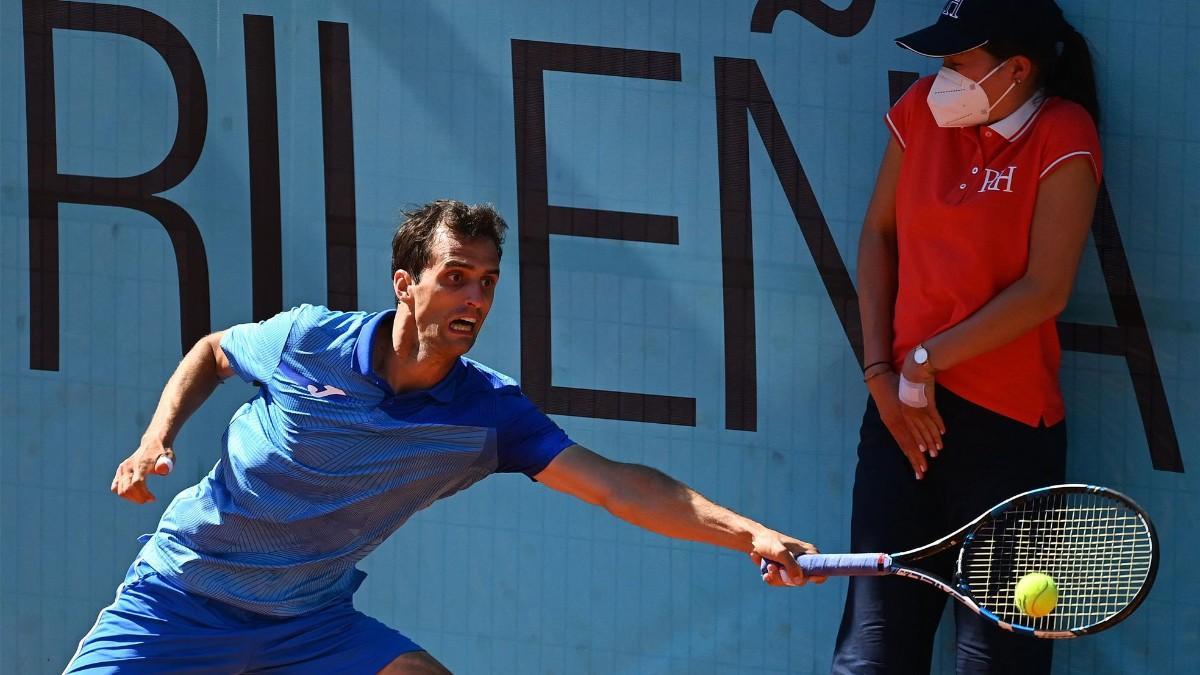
[(198, 374), (654, 501)]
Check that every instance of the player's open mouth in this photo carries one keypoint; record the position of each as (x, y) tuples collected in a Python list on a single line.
[(463, 326)]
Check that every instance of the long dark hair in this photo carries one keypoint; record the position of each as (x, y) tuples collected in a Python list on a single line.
[(1064, 70)]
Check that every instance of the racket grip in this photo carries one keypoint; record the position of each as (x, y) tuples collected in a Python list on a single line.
[(846, 564), (841, 565)]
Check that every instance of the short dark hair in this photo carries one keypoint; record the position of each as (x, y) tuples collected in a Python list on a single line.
[(418, 227)]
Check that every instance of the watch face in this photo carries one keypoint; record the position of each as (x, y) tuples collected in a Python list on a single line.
[(920, 356)]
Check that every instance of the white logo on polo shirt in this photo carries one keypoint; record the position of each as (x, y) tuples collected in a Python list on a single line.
[(329, 390), (952, 7), (993, 180)]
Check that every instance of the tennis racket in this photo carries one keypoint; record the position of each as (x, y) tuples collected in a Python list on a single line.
[(1098, 545)]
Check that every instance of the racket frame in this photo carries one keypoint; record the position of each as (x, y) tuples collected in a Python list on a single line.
[(968, 531)]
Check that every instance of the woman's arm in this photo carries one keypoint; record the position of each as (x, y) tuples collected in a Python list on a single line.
[(1061, 219), (878, 261), (915, 430)]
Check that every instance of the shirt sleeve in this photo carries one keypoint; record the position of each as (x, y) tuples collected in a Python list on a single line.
[(526, 439), (900, 119), (1072, 133), (254, 349)]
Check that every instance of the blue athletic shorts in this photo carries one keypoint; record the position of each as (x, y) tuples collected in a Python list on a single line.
[(154, 627)]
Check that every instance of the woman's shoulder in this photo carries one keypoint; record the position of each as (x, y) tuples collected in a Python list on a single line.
[(909, 118), (1065, 129), (1060, 114), (917, 92)]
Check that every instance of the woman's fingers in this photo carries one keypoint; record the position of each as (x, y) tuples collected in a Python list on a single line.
[(932, 433), (923, 429), (908, 446), (936, 417)]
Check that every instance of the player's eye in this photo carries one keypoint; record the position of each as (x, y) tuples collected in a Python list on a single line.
[(488, 282)]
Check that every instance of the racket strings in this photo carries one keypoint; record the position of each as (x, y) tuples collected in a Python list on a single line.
[(1098, 550)]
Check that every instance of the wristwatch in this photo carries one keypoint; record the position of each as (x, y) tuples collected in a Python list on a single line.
[(921, 358)]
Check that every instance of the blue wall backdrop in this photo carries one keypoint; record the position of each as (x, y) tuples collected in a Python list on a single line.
[(169, 168)]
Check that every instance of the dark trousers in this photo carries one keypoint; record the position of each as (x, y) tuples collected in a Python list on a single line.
[(889, 622)]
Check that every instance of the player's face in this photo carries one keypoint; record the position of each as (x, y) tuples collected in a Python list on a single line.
[(455, 292)]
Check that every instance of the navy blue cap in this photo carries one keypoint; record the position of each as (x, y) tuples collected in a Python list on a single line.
[(967, 24)]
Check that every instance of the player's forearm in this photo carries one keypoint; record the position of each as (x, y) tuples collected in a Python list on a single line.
[(877, 274), (654, 501), (192, 383)]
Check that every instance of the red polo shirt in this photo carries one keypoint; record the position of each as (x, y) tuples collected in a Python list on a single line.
[(964, 210)]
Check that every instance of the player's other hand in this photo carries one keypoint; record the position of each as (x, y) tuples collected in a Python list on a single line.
[(780, 552), (130, 481)]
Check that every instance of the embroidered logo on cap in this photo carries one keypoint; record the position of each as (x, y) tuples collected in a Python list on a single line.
[(951, 8)]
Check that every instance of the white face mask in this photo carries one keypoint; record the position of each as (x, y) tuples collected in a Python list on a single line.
[(958, 101)]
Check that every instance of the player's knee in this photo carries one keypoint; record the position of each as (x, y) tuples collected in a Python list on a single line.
[(414, 663)]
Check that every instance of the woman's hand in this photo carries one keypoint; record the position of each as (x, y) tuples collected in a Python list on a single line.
[(884, 390), (925, 423)]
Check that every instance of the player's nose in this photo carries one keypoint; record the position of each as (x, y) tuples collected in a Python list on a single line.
[(475, 297)]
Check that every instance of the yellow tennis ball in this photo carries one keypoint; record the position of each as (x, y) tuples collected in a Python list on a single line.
[(1037, 594)]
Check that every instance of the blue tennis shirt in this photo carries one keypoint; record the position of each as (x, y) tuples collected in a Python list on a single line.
[(326, 461)]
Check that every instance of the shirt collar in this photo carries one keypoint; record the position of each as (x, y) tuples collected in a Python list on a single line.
[(364, 347), (1012, 126), (443, 391)]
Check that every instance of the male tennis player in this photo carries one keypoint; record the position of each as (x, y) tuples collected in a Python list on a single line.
[(360, 420)]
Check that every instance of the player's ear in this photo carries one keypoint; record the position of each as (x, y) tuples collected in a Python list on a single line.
[(401, 280)]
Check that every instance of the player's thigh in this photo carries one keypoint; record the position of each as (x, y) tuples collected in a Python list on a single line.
[(336, 639), (153, 627), (414, 663)]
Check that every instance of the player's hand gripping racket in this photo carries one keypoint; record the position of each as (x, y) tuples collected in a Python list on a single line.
[(1097, 544)]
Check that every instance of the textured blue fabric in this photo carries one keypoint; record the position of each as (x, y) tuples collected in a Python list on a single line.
[(325, 462), (155, 627)]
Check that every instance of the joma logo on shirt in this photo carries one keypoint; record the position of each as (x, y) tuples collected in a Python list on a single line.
[(320, 391), (329, 390), (998, 181)]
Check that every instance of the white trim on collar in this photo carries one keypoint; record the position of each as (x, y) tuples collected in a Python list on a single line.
[(1012, 126)]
